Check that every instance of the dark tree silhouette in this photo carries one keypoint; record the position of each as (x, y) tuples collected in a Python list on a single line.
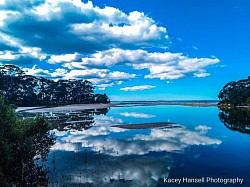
[(101, 98), (236, 93), (232, 95), (23, 144), (27, 90)]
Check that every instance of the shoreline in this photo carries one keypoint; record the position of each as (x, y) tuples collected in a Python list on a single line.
[(79, 107), (72, 107)]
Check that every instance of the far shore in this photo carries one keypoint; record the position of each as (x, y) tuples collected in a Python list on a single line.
[(79, 107), (183, 103)]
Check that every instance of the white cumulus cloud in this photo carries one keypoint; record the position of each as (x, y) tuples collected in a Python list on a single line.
[(80, 40), (137, 88), (101, 77), (64, 28), (165, 65), (201, 74)]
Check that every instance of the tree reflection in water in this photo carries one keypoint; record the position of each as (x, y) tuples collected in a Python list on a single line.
[(35, 173), (236, 119), (76, 120)]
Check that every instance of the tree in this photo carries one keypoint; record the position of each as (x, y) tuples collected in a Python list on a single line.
[(27, 90), (101, 98), (236, 93), (21, 141)]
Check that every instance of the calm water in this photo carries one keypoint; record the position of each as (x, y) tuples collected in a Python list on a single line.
[(93, 153)]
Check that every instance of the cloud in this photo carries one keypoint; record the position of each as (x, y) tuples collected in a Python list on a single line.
[(109, 79), (201, 73), (137, 88), (203, 129), (101, 77), (117, 56), (178, 68), (105, 170), (160, 65), (136, 115), (104, 86), (66, 27), (59, 73), (80, 40), (195, 48), (54, 59), (36, 71), (13, 52), (86, 73)]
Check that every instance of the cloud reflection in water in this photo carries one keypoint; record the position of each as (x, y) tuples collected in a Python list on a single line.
[(106, 156), (137, 115)]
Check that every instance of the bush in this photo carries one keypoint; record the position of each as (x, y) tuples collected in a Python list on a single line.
[(20, 142)]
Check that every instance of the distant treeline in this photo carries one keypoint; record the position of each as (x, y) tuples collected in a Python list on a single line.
[(26, 90), (236, 93)]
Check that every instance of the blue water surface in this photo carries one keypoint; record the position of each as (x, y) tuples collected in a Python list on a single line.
[(104, 155)]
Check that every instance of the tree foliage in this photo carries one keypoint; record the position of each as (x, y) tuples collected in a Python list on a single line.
[(101, 98), (236, 93), (27, 90), (21, 143)]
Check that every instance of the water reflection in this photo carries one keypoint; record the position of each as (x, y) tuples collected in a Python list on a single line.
[(104, 155), (137, 115), (236, 119), (91, 168), (91, 151), (68, 120)]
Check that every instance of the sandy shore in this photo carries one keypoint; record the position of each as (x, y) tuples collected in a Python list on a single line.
[(19, 109), (66, 108)]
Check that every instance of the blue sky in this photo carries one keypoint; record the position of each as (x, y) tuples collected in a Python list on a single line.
[(131, 50)]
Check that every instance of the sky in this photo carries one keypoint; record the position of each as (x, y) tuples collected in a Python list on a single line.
[(131, 50)]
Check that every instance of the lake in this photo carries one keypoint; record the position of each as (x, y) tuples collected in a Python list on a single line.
[(199, 151)]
